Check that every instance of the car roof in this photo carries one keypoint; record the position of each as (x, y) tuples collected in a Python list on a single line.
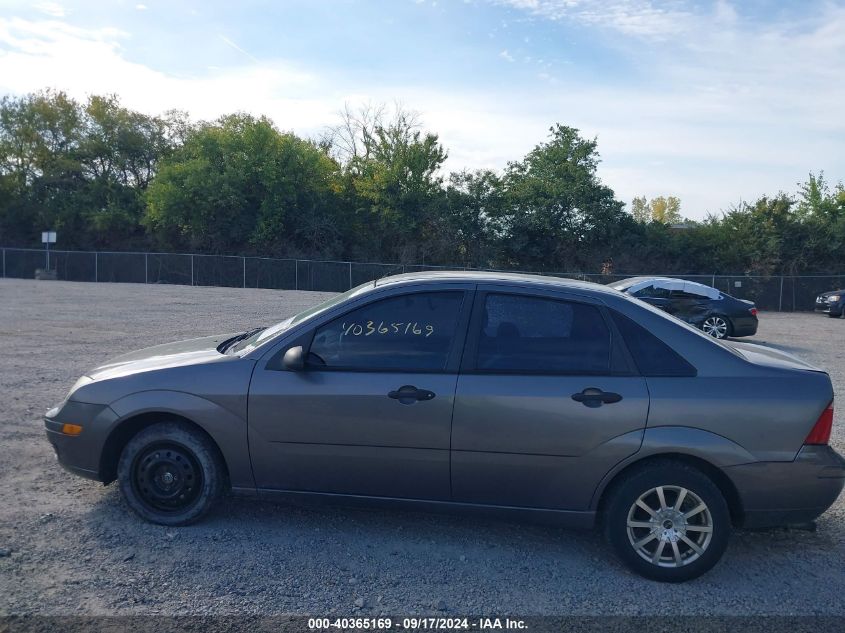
[(670, 282), (477, 276)]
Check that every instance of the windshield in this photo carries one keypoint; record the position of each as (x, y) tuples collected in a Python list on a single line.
[(262, 336)]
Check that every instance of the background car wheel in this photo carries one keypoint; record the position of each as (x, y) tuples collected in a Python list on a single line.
[(171, 474), (667, 521), (716, 326)]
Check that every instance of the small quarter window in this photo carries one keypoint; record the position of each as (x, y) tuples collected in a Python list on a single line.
[(651, 355)]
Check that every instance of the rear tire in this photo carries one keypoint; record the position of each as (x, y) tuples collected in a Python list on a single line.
[(717, 326), (660, 538), (171, 474)]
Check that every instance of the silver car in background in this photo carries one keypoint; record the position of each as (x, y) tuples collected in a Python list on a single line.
[(542, 397)]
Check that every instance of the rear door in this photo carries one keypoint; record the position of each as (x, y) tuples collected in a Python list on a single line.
[(547, 401), (690, 307)]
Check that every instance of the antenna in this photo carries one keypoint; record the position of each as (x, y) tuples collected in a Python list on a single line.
[(387, 274)]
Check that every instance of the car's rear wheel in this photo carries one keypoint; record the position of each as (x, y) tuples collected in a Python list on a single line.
[(667, 521), (171, 474), (716, 326)]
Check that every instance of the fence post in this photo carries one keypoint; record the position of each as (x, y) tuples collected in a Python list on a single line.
[(146, 268), (296, 267), (4, 263), (192, 270), (350, 275), (244, 261), (713, 284), (780, 298), (96, 266)]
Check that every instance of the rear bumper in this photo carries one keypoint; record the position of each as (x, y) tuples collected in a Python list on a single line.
[(783, 493), (744, 326)]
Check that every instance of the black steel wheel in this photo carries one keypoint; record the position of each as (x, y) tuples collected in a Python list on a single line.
[(171, 473), (167, 477)]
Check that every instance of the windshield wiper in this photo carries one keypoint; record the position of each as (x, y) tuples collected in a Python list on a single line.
[(226, 345)]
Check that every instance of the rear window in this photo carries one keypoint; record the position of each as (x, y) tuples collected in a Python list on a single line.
[(652, 356)]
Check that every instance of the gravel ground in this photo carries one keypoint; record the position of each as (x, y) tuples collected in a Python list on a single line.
[(69, 546)]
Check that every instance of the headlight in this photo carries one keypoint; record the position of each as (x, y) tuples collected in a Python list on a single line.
[(833, 298)]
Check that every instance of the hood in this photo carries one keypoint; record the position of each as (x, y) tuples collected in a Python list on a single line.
[(832, 292), (771, 357), (191, 352)]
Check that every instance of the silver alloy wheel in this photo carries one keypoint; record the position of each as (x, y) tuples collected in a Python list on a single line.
[(715, 326), (670, 526)]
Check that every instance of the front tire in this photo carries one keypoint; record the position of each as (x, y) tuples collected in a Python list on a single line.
[(667, 521), (171, 474)]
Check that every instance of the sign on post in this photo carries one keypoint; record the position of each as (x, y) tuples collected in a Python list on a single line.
[(47, 238)]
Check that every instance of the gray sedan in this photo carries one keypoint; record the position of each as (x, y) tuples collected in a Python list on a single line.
[(541, 397)]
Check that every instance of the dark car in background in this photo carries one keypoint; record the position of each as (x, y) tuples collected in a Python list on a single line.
[(718, 314), (831, 303)]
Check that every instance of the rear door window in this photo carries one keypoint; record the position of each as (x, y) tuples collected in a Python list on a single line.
[(529, 334)]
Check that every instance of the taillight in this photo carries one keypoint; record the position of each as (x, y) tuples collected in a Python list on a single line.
[(753, 311), (821, 431)]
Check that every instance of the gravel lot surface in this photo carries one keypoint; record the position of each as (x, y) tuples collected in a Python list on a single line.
[(69, 546)]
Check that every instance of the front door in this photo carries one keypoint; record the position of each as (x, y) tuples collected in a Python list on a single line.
[(371, 412), (546, 404)]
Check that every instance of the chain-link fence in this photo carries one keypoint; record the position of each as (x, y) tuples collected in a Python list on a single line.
[(776, 292)]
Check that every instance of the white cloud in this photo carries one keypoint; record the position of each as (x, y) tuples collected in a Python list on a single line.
[(729, 111), (38, 54), (53, 9), (141, 7), (506, 56), (632, 17)]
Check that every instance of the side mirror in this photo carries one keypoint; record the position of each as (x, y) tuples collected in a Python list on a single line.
[(294, 359)]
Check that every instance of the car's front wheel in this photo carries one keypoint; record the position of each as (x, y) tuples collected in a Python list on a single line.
[(716, 326), (171, 474), (667, 521)]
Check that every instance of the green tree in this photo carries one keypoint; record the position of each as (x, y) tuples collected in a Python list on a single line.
[(393, 184), (239, 184), (558, 213), (475, 206)]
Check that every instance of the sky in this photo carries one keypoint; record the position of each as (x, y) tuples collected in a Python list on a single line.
[(715, 102)]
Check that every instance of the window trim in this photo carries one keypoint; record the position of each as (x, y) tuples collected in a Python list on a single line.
[(306, 339), (619, 362)]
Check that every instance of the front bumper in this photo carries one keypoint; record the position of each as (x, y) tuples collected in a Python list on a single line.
[(79, 454), (830, 308), (783, 493)]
